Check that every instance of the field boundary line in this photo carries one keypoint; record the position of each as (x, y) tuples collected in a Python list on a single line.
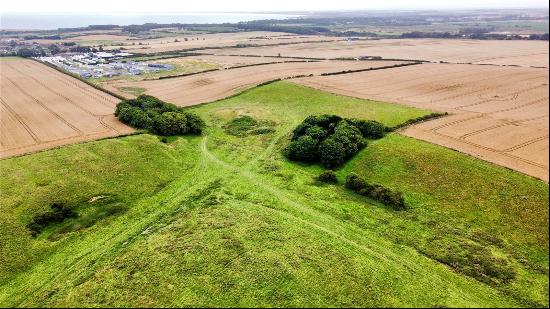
[(67, 100), (20, 120), (45, 107), (99, 96), (118, 96)]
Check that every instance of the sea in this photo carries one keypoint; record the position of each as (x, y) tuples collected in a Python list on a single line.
[(52, 21)]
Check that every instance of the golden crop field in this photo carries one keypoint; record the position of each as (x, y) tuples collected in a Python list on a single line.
[(43, 108), (499, 114)]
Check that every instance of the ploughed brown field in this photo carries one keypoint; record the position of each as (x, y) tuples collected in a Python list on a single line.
[(211, 86), (499, 114), (42, 108), (522, 53)]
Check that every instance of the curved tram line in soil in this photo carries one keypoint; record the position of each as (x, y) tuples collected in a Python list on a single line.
[(73, 120), (21, 121), (70, 81), (44, 106), (100, 117)]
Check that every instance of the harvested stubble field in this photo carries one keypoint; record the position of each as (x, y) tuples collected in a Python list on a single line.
[(186, 65), (43, 108), (226, 221), (181, 42), (211, 86), (226, 61), (500, 114), (88, 39), (522, 53)]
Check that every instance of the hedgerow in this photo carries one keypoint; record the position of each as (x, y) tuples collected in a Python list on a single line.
[(386, 196)]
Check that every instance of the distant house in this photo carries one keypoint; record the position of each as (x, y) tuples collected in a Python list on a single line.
[(104, 55), (134, 71)]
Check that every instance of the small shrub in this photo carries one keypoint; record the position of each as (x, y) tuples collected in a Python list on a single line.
[(261, 130), (350, 137), (386, 196), (240, 125), (417, 120), (303, 149), (332, 153), (246, 125), (355, 183), (370, 128), (328, 176), (58, 213), (316, 132)]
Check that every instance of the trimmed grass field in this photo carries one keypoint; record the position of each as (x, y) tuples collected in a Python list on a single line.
[(224, 220)]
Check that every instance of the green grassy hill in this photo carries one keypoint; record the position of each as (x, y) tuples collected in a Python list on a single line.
[(224, 220)]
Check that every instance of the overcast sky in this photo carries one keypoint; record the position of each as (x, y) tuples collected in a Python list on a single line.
[(131, 6)]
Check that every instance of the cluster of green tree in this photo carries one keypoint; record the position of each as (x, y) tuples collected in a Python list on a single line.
[(54, 49), (58, 213), (331, 139), (149, 113), (246, 125), (479, 35), (328, 176), (386, 196), (351, 33), (434, 35), (224, 27), (296, 29), (86, 49), (80, 49), (46, 37), (88, 28), (27, 52)]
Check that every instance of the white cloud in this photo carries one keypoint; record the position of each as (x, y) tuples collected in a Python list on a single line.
[(249, 5)]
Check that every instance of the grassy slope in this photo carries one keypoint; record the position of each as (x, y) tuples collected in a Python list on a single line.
[(223, 220)]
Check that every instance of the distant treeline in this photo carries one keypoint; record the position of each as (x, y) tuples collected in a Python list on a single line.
[(473, 35), (322, 26)]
